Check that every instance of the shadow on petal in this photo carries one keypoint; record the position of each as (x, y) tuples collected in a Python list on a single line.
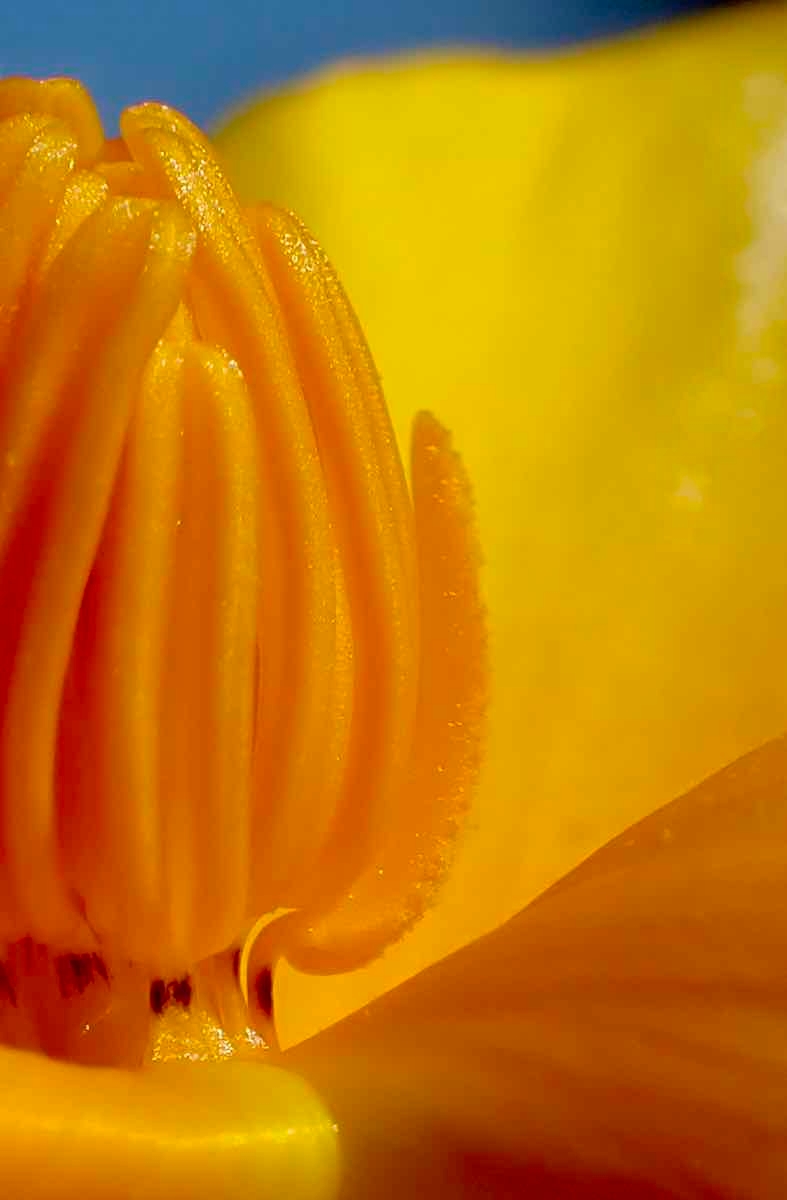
[(622, 1036)]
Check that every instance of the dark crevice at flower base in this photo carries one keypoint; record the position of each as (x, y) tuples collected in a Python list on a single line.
[(75, 972), (176, 991), (7, 989), (263, 990)]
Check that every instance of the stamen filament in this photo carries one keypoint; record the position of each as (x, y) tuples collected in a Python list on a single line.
[(233, 646)]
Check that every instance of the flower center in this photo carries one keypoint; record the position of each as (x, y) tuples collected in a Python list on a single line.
[(242, 668)]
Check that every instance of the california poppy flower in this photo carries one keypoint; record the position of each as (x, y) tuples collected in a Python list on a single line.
[(619, 1037)]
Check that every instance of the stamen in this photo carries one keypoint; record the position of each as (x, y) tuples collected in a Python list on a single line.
[(242, 671), (111, 716), (133, 258), (38, 155), (402, 881), (207, 684), (373, 524), (64, 99), (231, 298)]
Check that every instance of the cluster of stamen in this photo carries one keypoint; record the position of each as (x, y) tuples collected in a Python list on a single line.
[(242, 667)]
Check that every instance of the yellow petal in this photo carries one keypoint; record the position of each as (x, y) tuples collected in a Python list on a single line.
[(184, 1132), (580, 265), (622, 1037)]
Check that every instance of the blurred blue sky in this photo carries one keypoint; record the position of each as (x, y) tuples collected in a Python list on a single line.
[(203, 56)]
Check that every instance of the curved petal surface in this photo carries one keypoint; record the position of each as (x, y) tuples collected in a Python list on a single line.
[(205, 1131), (623, 1037), (580, 264)]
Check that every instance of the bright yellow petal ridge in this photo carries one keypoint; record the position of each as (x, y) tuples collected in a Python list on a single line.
[(216, 1131)]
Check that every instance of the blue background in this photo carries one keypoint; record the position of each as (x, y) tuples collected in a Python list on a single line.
[(204, 56)]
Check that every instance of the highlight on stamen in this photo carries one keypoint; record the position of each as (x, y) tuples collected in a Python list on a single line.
[(243, 666)]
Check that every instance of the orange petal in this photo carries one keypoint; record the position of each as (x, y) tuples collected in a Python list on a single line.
[(622, 1036)]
